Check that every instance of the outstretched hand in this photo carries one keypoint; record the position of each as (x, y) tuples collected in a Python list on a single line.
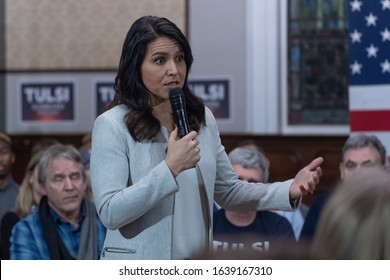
[(306, 179)]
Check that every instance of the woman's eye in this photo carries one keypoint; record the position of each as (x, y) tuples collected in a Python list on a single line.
[(159, 60), (180, 58)]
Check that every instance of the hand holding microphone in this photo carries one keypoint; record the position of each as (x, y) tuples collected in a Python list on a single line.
[(182, 153)]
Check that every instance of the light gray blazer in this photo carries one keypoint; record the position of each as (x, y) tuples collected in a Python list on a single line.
[(134, 189)]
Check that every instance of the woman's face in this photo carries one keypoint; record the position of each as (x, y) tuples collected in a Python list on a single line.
[(163, 68)]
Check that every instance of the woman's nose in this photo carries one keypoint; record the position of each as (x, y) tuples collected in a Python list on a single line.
[(172, 68)]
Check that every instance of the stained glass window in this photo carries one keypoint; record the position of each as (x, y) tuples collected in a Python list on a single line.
[(318, 62)]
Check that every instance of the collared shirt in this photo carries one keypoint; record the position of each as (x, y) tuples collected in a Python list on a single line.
[(69, 235), (28, 243)]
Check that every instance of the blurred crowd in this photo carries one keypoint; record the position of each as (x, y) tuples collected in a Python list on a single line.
[(51, 213)]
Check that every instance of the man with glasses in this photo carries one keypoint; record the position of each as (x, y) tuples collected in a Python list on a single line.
[(360, 151), (249, 230)]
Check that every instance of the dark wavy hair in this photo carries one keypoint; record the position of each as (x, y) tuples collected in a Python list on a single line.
[(129, 87)]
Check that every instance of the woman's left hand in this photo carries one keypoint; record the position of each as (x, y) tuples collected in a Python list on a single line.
[(306, 179)]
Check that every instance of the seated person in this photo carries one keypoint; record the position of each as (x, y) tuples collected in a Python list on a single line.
[(249, 230), (359, 152), (28, 197), (296, 218), (65, 225)]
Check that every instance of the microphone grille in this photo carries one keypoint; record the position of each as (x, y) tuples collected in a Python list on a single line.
[(174, 92)]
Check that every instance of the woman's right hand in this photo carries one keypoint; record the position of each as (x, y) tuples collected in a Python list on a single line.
[(183, 153)]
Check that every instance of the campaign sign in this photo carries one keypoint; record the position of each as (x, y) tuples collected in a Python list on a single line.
[(43, 102), (215, 94), (104, 95)]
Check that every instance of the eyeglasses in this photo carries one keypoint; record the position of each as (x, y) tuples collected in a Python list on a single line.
[(353, 166)]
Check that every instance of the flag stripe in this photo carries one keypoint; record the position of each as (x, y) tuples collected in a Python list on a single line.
[(368, 98), (370, 120)]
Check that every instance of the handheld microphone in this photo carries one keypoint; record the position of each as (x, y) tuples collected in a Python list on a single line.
[(178, 103)]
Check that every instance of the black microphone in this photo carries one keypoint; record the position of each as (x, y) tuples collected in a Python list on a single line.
[(178, 103)]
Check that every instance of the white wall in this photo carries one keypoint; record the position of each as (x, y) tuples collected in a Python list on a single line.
[(239, 38), (217, 37)]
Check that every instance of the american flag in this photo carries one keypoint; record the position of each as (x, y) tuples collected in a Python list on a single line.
[(369, 68)]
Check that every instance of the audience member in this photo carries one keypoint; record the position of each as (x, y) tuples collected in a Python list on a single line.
[(65, 225), (359, 152), (153, 189), (8, 187), (256, 230), (26, 201), (355, 222), (28, 197), (296, 218)]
